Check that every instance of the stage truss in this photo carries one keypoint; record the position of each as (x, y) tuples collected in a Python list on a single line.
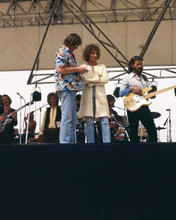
[(89, 13), (115, 74)]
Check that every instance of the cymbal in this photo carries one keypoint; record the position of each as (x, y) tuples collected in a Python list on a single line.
[(160, 128), (155, 114)]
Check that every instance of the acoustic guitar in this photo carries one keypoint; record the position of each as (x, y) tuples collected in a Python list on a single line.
[(133, 102), (9, 120)]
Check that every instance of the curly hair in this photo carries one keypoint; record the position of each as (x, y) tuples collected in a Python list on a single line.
[(88, 49), (52, 94), (132, 61), (72, 40)]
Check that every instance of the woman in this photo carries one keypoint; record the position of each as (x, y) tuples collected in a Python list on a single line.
[(94, 103)]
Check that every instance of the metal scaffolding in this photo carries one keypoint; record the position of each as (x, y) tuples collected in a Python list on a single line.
[(89, 13), (20, 13)]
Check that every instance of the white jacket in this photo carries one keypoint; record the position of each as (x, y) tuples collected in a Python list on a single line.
[(97, 78)]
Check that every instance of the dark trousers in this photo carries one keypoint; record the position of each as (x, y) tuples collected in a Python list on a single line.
[(143, 115), (23, 137), (7, 136), (51, 135)]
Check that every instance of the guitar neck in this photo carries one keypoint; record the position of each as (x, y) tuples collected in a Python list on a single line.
[(9, 115), (19, 109), (149, 95)]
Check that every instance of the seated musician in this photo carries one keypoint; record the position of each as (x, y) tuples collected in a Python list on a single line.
[(31, 127), (114, 117), (51, 122), (8, 119), (134, 83), (115, 121)]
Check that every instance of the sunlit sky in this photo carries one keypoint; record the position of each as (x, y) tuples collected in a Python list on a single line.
[(16, 82)]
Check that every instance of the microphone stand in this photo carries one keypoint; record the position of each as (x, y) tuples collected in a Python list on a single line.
[(20, 118), (112, 116), (40, 109), (125, 122), (168, 122), (21, 97), (119, 108), (27, 130)]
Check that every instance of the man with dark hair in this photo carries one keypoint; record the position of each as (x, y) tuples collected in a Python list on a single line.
[(68, 82), (134, 83), (8, 119), (51, 120), (115, 121), (112, 112)]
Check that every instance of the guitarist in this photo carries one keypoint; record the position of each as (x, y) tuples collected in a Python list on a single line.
[(135, 82), (8, 134)]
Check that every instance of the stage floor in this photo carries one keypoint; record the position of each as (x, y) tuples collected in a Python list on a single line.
[(88, 181)]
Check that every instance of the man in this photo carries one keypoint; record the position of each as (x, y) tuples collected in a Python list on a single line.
[(49, 131), (113, 114), (135, 82), (8, 119), (115, 122), (51, 120), (68, 82)]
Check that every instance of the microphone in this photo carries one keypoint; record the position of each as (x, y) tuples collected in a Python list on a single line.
[(20, 95)]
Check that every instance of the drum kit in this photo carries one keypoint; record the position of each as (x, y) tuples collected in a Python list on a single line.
[(120, 133), (119, 130), (142, 132)]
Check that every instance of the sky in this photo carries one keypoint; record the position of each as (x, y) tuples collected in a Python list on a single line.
[(16, 82)]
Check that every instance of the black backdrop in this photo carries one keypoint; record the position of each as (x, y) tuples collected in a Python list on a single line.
[(88, 181)]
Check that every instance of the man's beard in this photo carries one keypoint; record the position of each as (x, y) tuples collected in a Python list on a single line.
[(139, 71)]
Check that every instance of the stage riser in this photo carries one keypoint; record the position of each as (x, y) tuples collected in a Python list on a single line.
[(89, 181)]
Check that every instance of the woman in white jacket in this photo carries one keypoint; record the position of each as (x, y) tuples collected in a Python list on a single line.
[(94, 103)]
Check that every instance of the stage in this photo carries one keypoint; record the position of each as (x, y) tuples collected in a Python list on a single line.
[(88, 181)]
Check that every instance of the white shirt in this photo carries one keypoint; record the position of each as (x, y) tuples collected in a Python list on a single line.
[(130, 80), (52, 117)]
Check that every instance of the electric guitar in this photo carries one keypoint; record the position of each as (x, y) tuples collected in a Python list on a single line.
[(133, 101), (9, 120)]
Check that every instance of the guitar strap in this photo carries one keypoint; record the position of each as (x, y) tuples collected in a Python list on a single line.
[(144, 78), (154, 88)]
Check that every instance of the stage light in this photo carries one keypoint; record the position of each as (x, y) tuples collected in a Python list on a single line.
[(36, 96)]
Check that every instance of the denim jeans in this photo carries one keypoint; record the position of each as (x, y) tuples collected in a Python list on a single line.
[(69, 117), (104, 121)]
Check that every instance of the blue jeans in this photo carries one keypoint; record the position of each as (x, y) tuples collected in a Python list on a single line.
[(69, 117), (104, 121)]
